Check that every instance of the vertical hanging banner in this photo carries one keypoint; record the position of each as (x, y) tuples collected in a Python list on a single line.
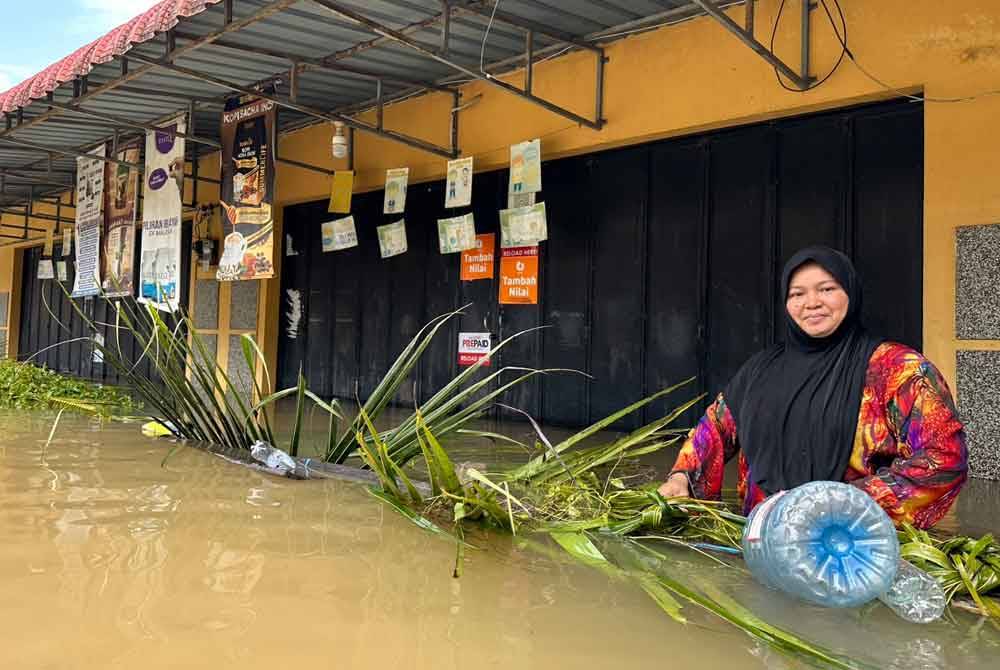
[(392, 239), (89, 223), (61, 272), (458, 191), (50, 240), (526, 167), (341, 191), (477, 263), (45, 269), (339, 234), (396, 181), (119, 235), (161, 217), (456, 234), (248, 142), (519, 276)]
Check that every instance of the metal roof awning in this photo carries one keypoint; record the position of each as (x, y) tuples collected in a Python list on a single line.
[(320, 60)]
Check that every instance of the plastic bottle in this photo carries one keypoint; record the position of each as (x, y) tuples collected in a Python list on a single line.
[(915, 595), (825, 542), (272, 458)]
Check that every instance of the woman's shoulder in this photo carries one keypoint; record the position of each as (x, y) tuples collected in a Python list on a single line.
[(893, 364)]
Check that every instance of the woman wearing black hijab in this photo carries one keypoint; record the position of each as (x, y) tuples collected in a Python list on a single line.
[(833, 402)]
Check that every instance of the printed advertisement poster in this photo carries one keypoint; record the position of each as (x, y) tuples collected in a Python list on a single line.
[(341, 191), (340, 234), (477, 263), (472, 348), (46, 269), (526, 167), (248, 142), (161, 217), (50, 239), (89, 223), (392, 239), (62, 273), (395, 190), (119, 234), (459, 187), (524, 226), (456, 234), (519, 276)]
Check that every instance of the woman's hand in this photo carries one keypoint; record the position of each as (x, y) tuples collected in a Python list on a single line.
[(676, 486)]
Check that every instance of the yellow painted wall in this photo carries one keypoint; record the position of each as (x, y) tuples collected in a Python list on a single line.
[(694, 77)]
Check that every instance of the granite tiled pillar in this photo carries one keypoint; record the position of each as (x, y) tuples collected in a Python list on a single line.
[(977, 318)]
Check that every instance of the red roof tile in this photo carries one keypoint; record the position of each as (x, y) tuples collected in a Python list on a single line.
[(157, 19)]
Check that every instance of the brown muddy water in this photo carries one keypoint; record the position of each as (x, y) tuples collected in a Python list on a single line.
[(111, 558)]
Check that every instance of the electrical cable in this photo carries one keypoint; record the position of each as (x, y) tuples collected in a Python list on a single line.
[(843, 42), (486, 36)]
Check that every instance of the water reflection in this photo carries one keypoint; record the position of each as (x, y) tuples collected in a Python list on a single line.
[(112, 560)]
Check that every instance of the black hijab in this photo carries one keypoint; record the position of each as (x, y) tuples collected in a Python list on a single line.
[(796, 404)]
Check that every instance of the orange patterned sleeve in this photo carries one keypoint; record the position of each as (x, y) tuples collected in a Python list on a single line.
[(708, 447)]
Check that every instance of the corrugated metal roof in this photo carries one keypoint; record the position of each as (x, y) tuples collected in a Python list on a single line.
[(339, 62)]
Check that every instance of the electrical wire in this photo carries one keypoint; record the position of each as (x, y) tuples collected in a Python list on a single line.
[(486, 36), (842, 40)]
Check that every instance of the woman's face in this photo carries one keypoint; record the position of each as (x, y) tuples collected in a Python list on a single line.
[(816, 301)]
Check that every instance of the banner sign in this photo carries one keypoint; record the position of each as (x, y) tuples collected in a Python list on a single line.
[(119, 234), (473, 347), (45, 269), (248, 142), (477, 263), (456, 234), (89, 222), (459, 187), (340, 234), (395, 190), (519, 276), (161, 218), (524, 226), (67, 241)]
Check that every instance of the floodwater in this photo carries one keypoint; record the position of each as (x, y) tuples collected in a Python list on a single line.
[(111, 558)]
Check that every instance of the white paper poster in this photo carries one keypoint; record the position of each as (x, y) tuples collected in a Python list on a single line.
[(45, 269), (395, 190), (61, 271), (340, 234), (515, 200), (89, 222), (458, 192), (526, 167), (523, 227), (456, 234), (392, 239), (161, 217)]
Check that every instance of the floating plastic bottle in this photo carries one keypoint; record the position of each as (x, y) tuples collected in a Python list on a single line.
[(272, 458), (915, 595), (825, 542)]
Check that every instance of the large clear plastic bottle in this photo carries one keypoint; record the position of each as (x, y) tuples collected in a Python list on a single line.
[(915, 595), (272, 458), (825, 542)]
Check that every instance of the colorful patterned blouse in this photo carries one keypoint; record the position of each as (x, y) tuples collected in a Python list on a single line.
[(909, 450)]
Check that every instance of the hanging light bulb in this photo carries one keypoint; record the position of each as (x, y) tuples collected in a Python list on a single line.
[(339, 144)]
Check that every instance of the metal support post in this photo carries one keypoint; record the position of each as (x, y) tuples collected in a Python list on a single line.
[(529, 58), (445, 26), (723, 19), (396, 36), (748, 17), (379, 105), (807, 6), (456, 98), (304, 109)]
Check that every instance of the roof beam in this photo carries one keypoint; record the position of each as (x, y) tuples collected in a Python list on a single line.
[(70, 152), (128, 123), (525, 24), (303, 109), (308, 63), (397, 36)]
